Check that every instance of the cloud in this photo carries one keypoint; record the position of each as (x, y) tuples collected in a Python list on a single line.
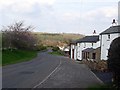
[(102, 1), (59, 15), (23, 5), (104, 12), (70, 16), (9, 2), (110, 11)]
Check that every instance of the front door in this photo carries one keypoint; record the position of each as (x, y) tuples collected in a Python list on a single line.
[(73, 54)]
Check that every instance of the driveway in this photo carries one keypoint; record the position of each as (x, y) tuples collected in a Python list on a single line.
[(48, 71)]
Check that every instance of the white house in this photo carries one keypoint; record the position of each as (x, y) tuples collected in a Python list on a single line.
[(79, 45), (106, 37), (85, 43)]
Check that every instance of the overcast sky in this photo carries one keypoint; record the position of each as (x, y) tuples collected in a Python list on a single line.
[(68, 16)]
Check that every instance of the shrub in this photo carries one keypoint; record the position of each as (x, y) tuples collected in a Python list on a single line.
[(41, 47), (18, 36), (55, 48), (114, 60)]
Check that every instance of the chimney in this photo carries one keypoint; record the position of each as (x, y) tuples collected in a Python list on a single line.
[(94, 32), (114, 23), (119, 13)]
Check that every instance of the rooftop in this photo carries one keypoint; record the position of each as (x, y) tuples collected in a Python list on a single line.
[(112, 29), (89, 39)]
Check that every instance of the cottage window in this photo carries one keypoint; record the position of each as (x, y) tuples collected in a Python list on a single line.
[(83, 55), (108, 37), (94, 56), (92, 44), (84, 45), (88, 55)]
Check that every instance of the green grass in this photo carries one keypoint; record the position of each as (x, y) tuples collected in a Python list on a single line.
[(58, 53), (0, 58), (15, 56)]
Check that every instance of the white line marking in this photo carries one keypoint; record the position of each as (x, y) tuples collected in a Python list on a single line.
[(47, 76)]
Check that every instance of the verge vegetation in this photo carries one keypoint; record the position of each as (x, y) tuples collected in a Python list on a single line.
[(16, 56), (56, 51), (18, 43)]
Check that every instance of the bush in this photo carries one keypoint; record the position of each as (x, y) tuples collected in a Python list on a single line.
[(41, 47), (114, 61), (55, 48), (98, 66), (18, 36)]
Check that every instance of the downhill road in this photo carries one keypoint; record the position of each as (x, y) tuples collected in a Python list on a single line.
[(48, 71)]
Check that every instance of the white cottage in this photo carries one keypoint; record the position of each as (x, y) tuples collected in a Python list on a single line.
[(79, 45), (85, 43), (106, 37)]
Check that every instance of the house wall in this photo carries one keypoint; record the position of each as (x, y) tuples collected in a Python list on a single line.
[(97, 51), (73, 51), (119, 12), (105, 44), (90, 55), (82, 46)]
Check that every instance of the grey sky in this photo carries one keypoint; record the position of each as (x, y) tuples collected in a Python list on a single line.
[(69, 16)]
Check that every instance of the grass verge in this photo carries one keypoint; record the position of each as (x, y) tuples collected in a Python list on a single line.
[(15, 56), (58, 53)]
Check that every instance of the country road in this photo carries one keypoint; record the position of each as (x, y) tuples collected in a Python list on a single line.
[(48, 71)]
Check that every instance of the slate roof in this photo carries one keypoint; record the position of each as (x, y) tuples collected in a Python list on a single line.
[(75, 41), (90, 39), (88, 50), (113, 29)]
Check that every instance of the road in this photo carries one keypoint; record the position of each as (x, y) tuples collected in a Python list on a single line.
[(48, 71)]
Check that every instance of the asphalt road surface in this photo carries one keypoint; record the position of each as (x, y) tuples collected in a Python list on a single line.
[(48, 71)]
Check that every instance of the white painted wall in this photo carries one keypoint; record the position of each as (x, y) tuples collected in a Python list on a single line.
[(82, 46), (119, 13), (75, 53), (71, 54), (105, 44)]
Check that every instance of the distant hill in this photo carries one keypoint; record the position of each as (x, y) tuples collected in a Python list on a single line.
[(56, 39)]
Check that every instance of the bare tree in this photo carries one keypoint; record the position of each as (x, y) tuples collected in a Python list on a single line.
[(18, 36)]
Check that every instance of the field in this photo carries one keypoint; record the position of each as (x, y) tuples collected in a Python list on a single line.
[(56, 39)]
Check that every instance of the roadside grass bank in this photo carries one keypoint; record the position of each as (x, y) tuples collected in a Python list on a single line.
[(58, 53), (0, 58), (16, 56)]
